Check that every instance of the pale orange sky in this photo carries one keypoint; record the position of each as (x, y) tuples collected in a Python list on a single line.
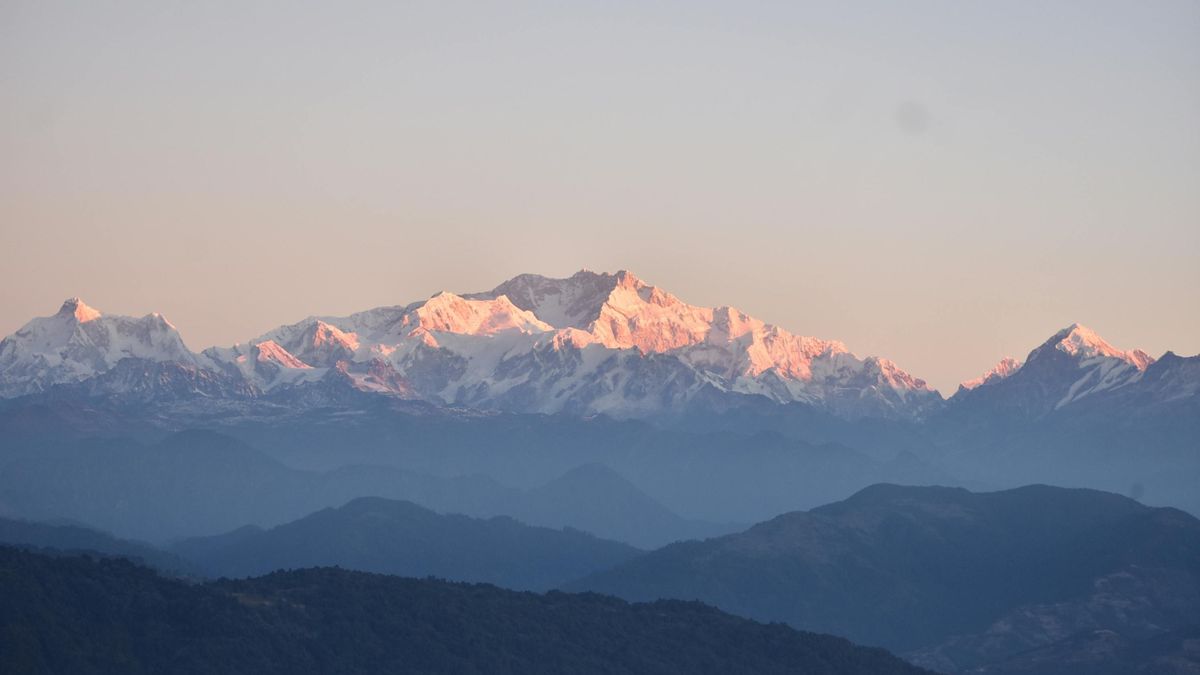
[(941, 184)]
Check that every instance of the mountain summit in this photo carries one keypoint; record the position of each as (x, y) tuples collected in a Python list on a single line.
[(1073, 364), (77, 309), (1083, 343), (78, 343)]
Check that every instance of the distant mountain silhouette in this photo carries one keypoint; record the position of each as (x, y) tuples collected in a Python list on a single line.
[(396, 537), (959, 580), (599, 500), (201, 483), (72, 537)]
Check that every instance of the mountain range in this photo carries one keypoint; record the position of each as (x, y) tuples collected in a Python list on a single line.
[(591, 343)]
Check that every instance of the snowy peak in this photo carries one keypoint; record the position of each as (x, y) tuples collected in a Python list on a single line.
[(76, 309), (1074, 364), (1083, 343), (621, 311), (627, 280), (1006, 367), (79, 342), (450, 313), (888, 373), (326, 335), (573, 302), (649, 318), (581, 300), (315, 342), (271, 352), (263, 364)]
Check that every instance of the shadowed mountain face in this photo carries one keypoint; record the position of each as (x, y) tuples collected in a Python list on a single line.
[(395, 537), (66, 614), (958, 580)]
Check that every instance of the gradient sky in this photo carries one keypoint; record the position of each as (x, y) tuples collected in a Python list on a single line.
[(941, 183)]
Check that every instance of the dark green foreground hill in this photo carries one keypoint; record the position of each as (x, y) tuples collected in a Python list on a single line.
[(86, 615)]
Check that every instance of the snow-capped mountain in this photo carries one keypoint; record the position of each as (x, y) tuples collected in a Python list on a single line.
[(78, 343), (1007, 366), (587, 344), (590, 343), (1074, 364)]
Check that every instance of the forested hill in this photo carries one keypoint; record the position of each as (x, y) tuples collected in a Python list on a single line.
[(85, 615)]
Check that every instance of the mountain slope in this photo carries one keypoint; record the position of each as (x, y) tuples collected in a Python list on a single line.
[(81, 615), (395, 537), (960, 579)]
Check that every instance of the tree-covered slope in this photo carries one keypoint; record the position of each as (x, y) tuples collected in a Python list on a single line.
[(82, 615)]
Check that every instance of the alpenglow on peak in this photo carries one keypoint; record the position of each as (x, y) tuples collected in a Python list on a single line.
[(78, 310)]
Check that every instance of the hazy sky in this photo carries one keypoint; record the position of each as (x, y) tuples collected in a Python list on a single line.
[(941, 183)]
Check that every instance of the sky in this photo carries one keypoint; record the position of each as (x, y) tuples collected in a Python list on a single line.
[(939, 183)]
